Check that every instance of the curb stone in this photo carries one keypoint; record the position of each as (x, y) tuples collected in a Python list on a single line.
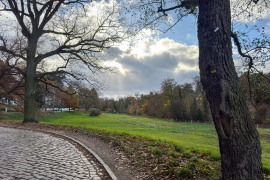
[(109, 171)]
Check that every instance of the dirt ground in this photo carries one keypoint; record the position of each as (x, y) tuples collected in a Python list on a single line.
[(112, 156)]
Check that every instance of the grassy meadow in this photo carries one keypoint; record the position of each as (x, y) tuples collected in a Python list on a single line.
[(194, 137)]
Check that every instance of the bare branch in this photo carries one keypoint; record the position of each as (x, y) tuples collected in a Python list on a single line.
[(50, 13), (238, 45), (56, 87), (19, 14), (184, 4), (178, 20), (4, 49)]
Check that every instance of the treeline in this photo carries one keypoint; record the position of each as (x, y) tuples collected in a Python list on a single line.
[(256, 87), (185, 102)]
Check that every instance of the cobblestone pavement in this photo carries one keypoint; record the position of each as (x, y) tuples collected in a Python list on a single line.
[(33, 155)]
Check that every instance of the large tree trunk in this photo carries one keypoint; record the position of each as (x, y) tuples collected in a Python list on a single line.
[(29, 99), (30, 83), (238, 138)]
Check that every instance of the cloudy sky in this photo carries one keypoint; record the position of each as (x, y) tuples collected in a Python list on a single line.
[(144, 65)]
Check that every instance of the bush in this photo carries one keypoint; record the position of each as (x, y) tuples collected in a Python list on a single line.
[(94, 112)]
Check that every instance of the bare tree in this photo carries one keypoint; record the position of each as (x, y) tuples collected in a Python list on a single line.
[(54, 37)]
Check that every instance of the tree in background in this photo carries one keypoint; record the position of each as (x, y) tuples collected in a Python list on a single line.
[(108, 105), (122, 105), (155, 106), (48, 96), (167, 88), (67, 99), (11, 86), (203, 108), (74, 102), (257, 91), (88, 98), (63, 32), (256, 87), (133, 106), (168, 96), (177, 100)]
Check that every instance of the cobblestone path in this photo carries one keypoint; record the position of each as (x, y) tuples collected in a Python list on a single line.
[(33, 155)]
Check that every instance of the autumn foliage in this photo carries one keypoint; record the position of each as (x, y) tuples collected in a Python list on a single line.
[(11, 86), (185, 102)]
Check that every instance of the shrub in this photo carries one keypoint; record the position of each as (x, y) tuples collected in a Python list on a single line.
[(94, 112)]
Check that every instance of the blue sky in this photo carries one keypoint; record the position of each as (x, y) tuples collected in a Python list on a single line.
[(184, 32)]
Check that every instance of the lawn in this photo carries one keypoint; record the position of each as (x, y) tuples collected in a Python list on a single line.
[(196, 137), (201, 138)]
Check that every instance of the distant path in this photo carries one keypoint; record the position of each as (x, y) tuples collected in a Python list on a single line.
[(34, 155)]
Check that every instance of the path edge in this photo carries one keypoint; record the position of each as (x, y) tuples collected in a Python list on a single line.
[(109, 171)]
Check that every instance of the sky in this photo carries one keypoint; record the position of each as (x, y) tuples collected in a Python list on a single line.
[(141, 64), (142, 67)]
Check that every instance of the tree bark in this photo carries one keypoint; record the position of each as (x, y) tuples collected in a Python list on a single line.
[(30, 83), (29, 101), (238, 138)]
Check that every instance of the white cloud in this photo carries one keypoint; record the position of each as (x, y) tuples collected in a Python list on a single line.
[(146, 65)]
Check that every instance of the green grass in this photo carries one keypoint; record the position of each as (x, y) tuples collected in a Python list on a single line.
[(188, 136), (196, 137), (13, 116)]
